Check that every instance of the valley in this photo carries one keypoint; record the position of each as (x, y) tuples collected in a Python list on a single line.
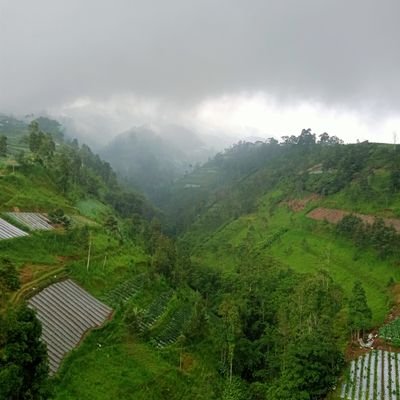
[(253, 275)]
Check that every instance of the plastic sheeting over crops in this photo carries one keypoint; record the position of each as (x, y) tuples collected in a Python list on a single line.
[(66, 312), (34, 221), (374, 376), (8, 231)]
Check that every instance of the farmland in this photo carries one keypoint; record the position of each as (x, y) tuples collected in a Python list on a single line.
[(66, 312), (8, 231), (33, 221), (374, 376)]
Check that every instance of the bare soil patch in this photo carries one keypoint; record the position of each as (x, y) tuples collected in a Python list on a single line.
[(334, 216), (298, 205)]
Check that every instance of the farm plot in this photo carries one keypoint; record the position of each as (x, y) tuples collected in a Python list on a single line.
[(154, 312), (66, 312), (33, 221), (124, 291), (374, 376), (8, 231), (174, 328), (391, 332)]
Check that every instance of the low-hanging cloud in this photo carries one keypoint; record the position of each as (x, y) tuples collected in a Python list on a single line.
[(342, 54)]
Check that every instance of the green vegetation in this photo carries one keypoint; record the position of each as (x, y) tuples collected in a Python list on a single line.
[(23, 362), (232, 292), (391, 332)]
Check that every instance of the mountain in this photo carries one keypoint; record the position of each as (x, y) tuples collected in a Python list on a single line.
[(152, 161)]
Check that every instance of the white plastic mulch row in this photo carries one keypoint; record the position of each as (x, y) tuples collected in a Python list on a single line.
[(8, 231), (34, 221), (66, 312), (374, 376)]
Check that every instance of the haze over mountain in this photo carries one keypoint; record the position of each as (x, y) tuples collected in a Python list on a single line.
[(152, 160)]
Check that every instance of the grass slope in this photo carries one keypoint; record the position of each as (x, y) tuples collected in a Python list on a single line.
[(304, 245)]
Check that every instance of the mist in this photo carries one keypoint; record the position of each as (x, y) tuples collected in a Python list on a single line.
[(110, 66)]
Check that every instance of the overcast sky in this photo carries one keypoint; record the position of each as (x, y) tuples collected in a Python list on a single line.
[(243, 67)]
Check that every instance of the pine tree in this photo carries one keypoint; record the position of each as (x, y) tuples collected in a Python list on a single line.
[(360, 314)]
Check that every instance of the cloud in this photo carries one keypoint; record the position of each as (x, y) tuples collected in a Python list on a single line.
[(341, 55)]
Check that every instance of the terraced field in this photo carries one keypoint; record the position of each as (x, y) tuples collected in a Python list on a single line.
[(33, 221), (174, 328), (155, 310), (8, 231), (124, 291), (66, 312), (374, 376)]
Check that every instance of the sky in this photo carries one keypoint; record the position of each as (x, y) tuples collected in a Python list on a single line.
[(242, 68)]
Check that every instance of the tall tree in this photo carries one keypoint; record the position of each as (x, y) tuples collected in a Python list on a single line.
[(229, 312), (360, 314), (3, 146)]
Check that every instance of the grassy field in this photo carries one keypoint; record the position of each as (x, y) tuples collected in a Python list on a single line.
[(93, 209), (111, 364), (32, 192)]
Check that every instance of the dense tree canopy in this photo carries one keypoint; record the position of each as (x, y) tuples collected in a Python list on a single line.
[(23, 358)]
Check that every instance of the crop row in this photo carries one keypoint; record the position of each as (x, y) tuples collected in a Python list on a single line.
[(124, 291), (174, 328), (155, 310), (374, 376)]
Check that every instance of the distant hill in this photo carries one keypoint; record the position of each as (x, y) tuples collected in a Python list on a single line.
[(152, 161)]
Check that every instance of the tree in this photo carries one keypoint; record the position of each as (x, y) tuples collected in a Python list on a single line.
[(34, 137), (164, 258), (111, 224), (9, 278), (3, 146), (360, 314), (394, 182), (323, 138), (312, 365), (133, 318), (41, 145), (306, 138), (229, 312), (23, 361)]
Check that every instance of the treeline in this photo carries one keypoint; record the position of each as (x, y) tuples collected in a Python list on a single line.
[(244, 173)]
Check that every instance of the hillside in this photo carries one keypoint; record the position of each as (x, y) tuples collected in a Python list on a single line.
[(282, 204), (276, 263), (101, 241)]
